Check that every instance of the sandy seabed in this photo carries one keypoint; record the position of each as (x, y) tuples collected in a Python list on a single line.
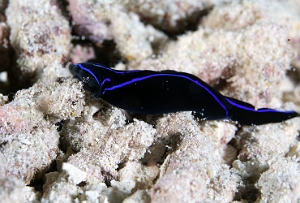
[(58, 144)]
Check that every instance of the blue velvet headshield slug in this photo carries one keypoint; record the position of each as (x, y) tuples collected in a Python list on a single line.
[(151, 92)]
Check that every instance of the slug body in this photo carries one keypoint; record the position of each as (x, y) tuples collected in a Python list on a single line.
[(151, 92)]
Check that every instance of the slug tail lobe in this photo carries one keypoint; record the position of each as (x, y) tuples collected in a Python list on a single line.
[(246, 115)]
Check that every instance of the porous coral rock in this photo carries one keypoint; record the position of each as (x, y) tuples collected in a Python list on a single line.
[(182, 181), (39, 36), (59, 189), (90, 19), (116, 146), (251, 51), (257, 145), (75, 175), (140, 196), (143, 176), (266, 141), (97, 119), (11, 190), (29, 141), (131, 44), (62, 188), (63, 99), (170, 15), (280, 183), (237, 15), (106, 20), (220, 134), (3, 99), (81, 53)]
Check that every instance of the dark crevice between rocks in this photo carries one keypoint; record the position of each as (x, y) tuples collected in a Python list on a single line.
[(190, 23), (2, 144), (105, 53), (18, 79), (161, 148), (59, 125), (108, 177), (39, 179), (248, 192), (298, 136), (63, 6), (294, 75), (64, 144)]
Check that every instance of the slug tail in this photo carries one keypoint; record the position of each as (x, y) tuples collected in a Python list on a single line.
[(261, 116), (247, 115)]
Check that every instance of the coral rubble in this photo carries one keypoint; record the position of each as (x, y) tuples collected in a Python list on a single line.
[(58, 144)]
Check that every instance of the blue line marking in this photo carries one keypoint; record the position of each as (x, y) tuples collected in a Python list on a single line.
[(161, 75), (259, 110), (90, 72), (274, 110), (105, 80)]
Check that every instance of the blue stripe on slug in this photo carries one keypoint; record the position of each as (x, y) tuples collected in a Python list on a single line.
[(156, 92), (134, 80)]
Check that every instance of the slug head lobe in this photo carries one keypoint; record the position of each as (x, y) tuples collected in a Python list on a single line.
[(89, 79)]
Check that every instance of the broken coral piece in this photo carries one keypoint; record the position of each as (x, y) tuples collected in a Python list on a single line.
[(170, 16), (3, 99), (30, 135), (38, 36), (280, 183), (179, 178), (266, 141), (105, 155), (239, 15), (101, 160), (105, 20), (60, 187)]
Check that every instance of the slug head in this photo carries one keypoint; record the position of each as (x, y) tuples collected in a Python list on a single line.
[(88, 75)]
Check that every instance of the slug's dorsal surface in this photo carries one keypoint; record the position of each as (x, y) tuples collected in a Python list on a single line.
[(157, 92)]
